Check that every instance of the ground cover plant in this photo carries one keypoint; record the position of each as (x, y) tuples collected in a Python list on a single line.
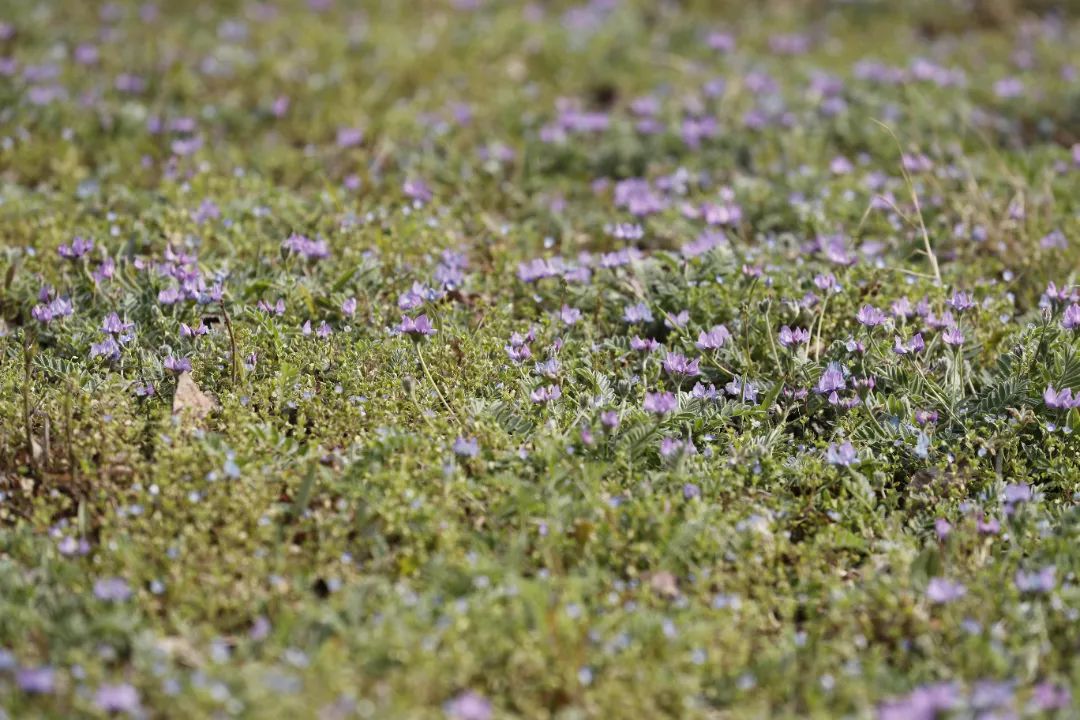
[(596, 359)]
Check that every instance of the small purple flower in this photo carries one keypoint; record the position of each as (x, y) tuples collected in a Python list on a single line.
[(790, 337), (349, 137), (609, 419), (643, 345), (418, 327), (121, 698), (36, 681), (942, 528), (466, 447), (832, 379), (114, 326), (1047, 696), (310, 249), (1038, 581), (714, 339), (348, 306), (639, 313), (870, 316), (925, 417), (679, 320), (77, 249), (679, 365), (746, 391), (468, 706), (545, 394), (953, 336), (942, 590), (569, 315), (112, 589), (1070, 320), (704, 393), (670, 447), (660, 403), (1060, 399), (841, 455), (193, 332), (417, 190), (960, 301), (107, 348), (177, 365), (923, 703), (691, 491), (548, 368), (1016, 493)]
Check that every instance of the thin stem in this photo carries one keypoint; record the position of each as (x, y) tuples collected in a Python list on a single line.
[(27, 357), (427, 374), (232, 342)]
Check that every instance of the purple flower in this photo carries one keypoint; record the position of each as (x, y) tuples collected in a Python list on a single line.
[(190, 332), (609, 419), (942, 590), (923, 703), (953, 336), (670, 446), (121, 698), (468, 706), (569, 315), (112, 589), (832, 379), (348, 306), (1070, 320), (466, 447), (679, 365), (1047, 696), (545, 394), (47, 312), (310, 249), (76, 249), (942, 528), (415, 296), (1017, 493), (745, 391), (1060, 399), (870, 316), (1038, 581), (114, 326), (660, 403), (107, 348), (704, 393), (36, 681), (917, 344), (842, 455), (677, 321), (790, 337), (177, 365), (714, 339), (518, 354), (960, 301), (420, 326), (638, 313), (417, 190), (647, 345), (349, 137), (924, 417)]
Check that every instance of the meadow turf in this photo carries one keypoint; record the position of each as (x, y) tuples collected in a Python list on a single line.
[(600, 359)]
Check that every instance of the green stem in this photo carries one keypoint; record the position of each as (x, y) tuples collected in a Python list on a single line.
[(427, 374)]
